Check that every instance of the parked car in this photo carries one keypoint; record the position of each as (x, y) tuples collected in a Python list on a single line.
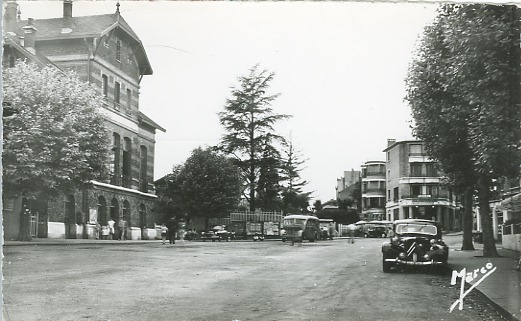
[(217, 233), (258, 237), (416, 242), (377, 228), (376, 231)]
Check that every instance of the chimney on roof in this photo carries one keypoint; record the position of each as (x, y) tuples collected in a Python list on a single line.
[(67, 9), (390, 142), (10, 16), (67, 15), (29, 34)]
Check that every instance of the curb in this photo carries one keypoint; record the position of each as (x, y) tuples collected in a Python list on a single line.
[(501, 310)]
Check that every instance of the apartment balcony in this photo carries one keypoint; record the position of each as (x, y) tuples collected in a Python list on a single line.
[(425, 200), (373, 192), (420, 180), (374, 175)]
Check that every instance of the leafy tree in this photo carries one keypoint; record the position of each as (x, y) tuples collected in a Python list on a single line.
[(356, 195), (248, 120), (54, 137), (463, 88), (168, 190), (317, 205), (206, 185)]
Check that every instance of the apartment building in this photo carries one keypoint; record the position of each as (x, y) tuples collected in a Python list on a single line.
[(373, 190), (414, 186)]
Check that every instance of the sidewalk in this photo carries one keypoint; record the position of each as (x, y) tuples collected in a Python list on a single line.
[(502, 287), (45, 241)]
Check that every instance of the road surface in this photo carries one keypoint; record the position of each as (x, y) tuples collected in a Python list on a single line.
[(246, 280)]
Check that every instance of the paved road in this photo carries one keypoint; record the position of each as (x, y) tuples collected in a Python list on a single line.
[(328, 280)]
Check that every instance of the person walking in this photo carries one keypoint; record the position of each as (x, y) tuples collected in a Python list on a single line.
[(164, 230), (351, 228), (97, 230), (111, 224), (122, 229), (172, 229)]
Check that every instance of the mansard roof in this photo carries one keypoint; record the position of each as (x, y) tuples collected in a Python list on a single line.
[(89, 27)]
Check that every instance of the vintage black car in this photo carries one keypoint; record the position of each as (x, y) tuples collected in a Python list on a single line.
[(218, 233), (416, 242)]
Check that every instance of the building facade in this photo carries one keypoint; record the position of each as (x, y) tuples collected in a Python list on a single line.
[(414, 186), (373, 190), (349, 179), (104, 51)]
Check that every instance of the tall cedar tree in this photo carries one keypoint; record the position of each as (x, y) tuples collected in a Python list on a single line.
[(248, 120), (54, 137), (206, 185), (268, 186), (463, 89)]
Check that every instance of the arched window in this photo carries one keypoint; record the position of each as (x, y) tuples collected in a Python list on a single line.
[(115, 166), (143, 168), (117, 93), (102, 211), (142, 216), (126, 212), (127, 162), (114, 210)]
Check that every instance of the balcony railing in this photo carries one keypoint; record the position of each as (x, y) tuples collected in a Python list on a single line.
[(373, 174), (374, 190)]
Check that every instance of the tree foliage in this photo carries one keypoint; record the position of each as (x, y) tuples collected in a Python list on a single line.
[(250, 137), (294, 199), (54, 136), (206, 185), (463, 89)]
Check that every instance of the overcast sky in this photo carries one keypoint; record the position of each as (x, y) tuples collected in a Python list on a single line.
[(339, 67)]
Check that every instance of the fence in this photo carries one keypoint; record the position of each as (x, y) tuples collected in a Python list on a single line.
[(247, 216)]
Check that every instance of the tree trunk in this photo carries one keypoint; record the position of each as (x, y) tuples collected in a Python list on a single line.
[(489, 244), (252, 163), (468, 218), (24, 233)]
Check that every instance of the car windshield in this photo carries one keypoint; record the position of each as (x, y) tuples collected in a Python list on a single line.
[(294, 221), (416, 228)]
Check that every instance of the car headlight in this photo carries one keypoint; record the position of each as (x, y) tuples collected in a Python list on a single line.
[(402, 255), (395, 240), (427, 257)]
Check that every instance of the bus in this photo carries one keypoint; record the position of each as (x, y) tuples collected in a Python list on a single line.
[(301, 227)]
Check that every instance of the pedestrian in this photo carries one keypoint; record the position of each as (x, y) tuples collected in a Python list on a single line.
[(111, 224), (164, 230), (97, 230), (172, 229), (351, 228), (122, 229)]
